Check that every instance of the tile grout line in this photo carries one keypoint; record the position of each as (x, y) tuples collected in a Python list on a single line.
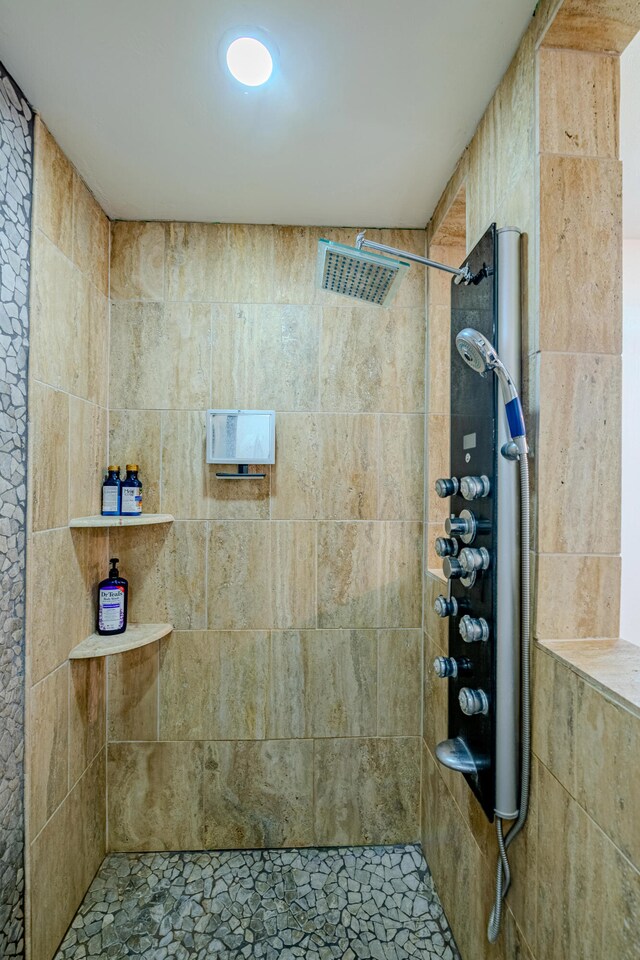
[(378, 683), (106, 755), (587, 157), (207, 538), (297, 411), (159, 646), (316, 536), (314, 831), (66, 797), (327, 737), (68, 728)]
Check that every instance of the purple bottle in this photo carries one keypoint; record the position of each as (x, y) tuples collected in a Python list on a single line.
[(113, 594)]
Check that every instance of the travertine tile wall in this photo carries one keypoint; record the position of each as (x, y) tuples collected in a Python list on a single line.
[(552, 170), (447, 246), (580, 340), (285, 708), (67, 451)]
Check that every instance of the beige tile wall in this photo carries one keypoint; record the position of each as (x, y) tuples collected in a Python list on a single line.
[(555, 174), (65, 749), (448, 247), (285, 708)]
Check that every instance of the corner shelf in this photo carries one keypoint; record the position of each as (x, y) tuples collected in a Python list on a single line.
[(136, 635), (144, 519), (437, 573)]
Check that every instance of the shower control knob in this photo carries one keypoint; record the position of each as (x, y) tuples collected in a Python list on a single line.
[(452, 666), (447, 486), (473, 701), (452, 568), (473, 629), (445, 667), (473, 559), (466, 526), (463, 526), (446, 547), (444, 607), (475, 488)]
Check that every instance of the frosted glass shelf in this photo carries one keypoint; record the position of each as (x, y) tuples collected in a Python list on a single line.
[(99, 521), (136, 635)]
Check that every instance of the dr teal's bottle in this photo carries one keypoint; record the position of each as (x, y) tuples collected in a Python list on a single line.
[(131, 496), (113, 596), (111, 492)]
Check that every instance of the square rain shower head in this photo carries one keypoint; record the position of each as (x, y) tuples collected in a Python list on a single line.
[(358, 273)]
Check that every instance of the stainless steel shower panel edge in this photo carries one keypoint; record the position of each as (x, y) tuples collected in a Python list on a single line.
[(508, 541)]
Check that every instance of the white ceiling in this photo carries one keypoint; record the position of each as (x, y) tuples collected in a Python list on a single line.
[(373, 104), (630, 138)]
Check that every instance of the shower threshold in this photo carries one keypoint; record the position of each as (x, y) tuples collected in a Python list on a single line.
[(351, 903)]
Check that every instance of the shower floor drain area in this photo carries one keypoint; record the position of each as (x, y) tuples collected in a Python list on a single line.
[(352, 903)]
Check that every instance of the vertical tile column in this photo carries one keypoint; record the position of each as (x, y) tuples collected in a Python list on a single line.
[(65, 706), (577, 366)]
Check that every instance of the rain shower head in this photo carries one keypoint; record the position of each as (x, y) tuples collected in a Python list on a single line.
[(372, 277), (358, 273), (480, 354)]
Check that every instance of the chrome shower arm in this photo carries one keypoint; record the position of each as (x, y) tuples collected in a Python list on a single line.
[(462, 275)]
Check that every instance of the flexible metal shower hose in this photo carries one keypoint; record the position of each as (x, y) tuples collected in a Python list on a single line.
[(503, 874)]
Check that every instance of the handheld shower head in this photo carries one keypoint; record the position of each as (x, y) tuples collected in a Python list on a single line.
[(480, 354), (476, 351)]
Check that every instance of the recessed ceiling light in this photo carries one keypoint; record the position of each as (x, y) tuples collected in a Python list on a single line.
[(249, 61)]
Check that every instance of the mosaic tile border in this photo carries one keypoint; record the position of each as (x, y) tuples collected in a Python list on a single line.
[(16, 167)]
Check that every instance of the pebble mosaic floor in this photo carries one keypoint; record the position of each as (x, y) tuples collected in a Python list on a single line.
[(351, 903)]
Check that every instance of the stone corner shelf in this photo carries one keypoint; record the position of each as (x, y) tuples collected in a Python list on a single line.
[(437, 573), (136, 635), (144, 519)]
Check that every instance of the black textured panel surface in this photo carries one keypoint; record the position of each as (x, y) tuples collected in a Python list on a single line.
[(473, 453)]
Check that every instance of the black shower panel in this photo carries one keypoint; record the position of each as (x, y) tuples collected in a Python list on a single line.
[(468, 544)]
